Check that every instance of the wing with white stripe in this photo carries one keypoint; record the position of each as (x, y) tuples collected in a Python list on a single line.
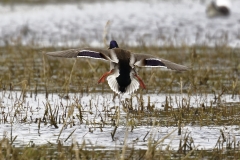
[(143, 60), (101, 54)]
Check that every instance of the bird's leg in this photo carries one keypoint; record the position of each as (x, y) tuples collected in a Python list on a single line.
[(142, 85), (104, 76)]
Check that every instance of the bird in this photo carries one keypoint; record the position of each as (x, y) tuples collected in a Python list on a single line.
[(122, 76), (218, 8)]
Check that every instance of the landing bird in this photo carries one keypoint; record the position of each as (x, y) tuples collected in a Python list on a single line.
[(122, 77)]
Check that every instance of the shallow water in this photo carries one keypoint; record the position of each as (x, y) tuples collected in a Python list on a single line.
[(132, 23), (98, 111)]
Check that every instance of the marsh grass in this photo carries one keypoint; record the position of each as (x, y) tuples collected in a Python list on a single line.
[(83, 151), (214, 70)]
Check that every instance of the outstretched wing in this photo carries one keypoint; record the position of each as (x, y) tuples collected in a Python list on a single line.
[(143, 60), (101, 54)]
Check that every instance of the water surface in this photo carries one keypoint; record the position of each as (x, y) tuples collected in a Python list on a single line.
[(98, 111), (130, 22)]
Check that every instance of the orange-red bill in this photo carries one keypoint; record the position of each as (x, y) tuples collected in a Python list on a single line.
[(142, 85)]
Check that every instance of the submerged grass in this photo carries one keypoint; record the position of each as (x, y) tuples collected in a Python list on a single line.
[(83, 151), (214, 70)]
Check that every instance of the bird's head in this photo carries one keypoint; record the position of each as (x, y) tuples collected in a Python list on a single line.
[(113, 44)]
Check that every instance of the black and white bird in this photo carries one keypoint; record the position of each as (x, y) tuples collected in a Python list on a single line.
[(218, 8), (122, 76)]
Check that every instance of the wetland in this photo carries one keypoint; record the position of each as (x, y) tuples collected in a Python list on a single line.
[(53, 108)]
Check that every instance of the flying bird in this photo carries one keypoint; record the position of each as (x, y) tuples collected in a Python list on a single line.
[(122, 76)]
